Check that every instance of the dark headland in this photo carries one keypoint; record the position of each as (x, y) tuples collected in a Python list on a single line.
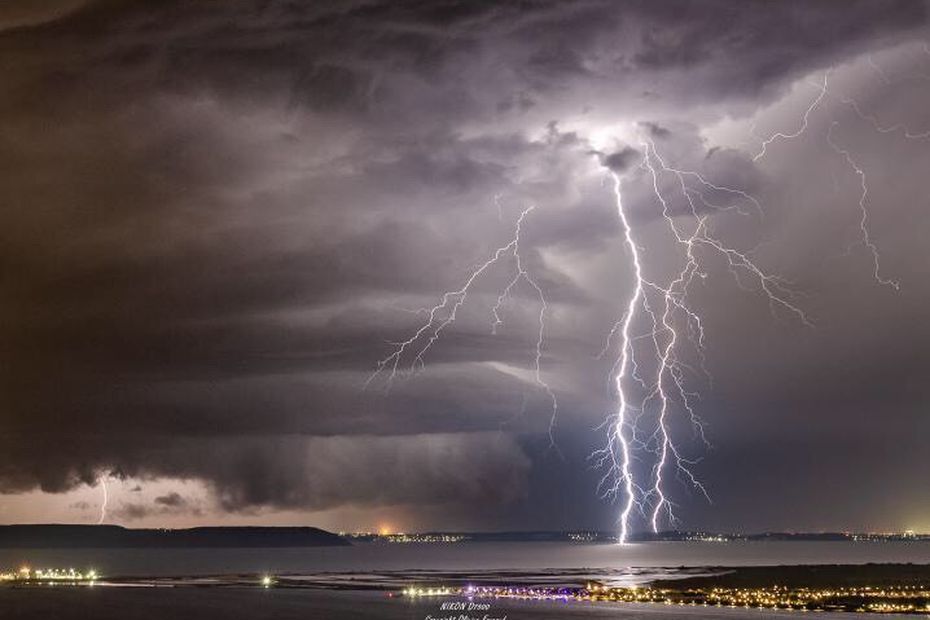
[(114, 536)]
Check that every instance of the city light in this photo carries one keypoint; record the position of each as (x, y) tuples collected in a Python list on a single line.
[(26, 575), (863, 599)]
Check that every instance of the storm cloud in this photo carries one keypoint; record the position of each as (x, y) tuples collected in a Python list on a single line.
[(218, 217)]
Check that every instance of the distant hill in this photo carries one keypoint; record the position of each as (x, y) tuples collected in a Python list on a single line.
[(114, 536)]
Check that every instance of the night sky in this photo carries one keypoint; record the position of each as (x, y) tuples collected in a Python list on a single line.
[(218, 216)]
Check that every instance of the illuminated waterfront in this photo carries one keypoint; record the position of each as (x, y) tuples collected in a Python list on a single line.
[(702, 579), (27, 576), (887, 599), (402, 538)]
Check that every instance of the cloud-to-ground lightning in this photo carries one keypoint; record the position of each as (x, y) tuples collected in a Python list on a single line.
[(659, 329), (664, 309), (618, 444), (408, 355), (106, 500)]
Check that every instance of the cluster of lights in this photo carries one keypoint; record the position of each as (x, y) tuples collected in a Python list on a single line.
[(889, 599), (883, 537), (518, 592), (443, 591), (707, 538), (53, 575), (897, 608), (402, 538), (583, 536), (423, 538)]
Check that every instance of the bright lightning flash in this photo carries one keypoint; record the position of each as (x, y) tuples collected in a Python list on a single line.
[(106, 500), (665, 309), (865, 236), (671, 323), (657, 313), (409, 355)]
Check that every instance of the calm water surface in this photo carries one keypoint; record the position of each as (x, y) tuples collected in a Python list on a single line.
[(528, 557)]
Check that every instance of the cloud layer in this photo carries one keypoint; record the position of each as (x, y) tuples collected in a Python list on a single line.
[(217, 218)]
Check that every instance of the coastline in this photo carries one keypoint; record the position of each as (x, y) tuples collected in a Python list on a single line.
[(862, 588)]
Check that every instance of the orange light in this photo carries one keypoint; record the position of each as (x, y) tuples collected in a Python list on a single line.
[(384, 530)]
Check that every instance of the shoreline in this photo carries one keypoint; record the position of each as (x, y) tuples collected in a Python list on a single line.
[(896, 588)]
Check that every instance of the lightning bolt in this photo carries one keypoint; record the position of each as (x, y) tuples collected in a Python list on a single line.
[(643, 422), (106, 500), (409, 355), (618, 449), (864, 233), (665, 308), (878, 70), (669, 387), (863, 209), (801, 128), (899, 128), (896, 128), (672, 297)]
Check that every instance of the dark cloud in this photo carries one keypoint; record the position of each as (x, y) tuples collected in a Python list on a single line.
[(133, 512), (300, 472), (22, 14), (219, 215), (656, 130), (172, 500), (170, 504), (622, 161)]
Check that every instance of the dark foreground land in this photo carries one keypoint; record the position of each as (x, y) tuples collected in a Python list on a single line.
[(871, 588), (237, 603), (810, 576), (711, 592)]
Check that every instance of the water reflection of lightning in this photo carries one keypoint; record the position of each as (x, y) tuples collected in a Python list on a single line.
[(409, 354)]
